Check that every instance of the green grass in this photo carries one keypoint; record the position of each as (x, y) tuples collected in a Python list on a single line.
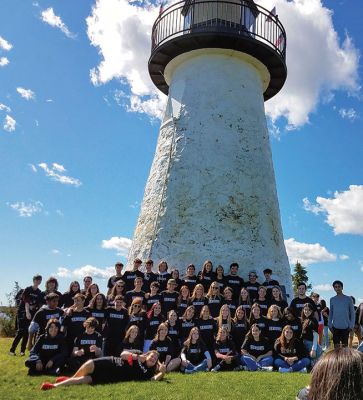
[(15, 384)]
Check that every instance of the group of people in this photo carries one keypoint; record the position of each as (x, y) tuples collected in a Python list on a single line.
[(148, 324)]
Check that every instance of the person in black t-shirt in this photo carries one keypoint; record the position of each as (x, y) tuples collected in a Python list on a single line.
[(73, 320), (233, 281), (30, 301), (229, 300), (198, 299), (245, 301), (165, 347), (274, 323), (169, 297), (87, 281), (309, 332), (190, 278), (67, 297), (153, 320), (97, 309), (225, 352), (256, 317), (131, 342), (214, 299), (149, 276), (129, 276), (49, 352), (117, 319), (153, 296), (137, 316), (92, 290), (186, 323), (51, 286), (206, 275), (298, 302), (290, 352), (136, 293), (207, 329), (183, 300), (128, 367), (239, 327), (163, 275), (115, 278), (220, 278), (174, 329), (256, 351), (224, 318), (176, 275), (42, 316), (87, 346), (195, 356), (276, 298), (262, 300), (289, 318), (269, 282), (252, 285)]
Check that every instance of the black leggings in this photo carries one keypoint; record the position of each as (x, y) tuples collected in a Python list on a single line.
[(21, 333)]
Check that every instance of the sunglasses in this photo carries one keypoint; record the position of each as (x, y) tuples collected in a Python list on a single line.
[(136, 305)]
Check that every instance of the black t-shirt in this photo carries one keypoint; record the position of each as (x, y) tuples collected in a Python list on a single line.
[(151, 326), (191, 282), (247, 307), (116, 323), (297, 305), (149, 277), (264, 305), (226, 347), (198, 305), (74, 323), (214, 303), (185, 327), (296, 350), (33, 298), (129, 277), (132, 295), (100, 315), (195, 352), (206, 280), (85, 341), (46, 292), (134, 347), (235, 282), (261, 322), (252, 289), (112, 281), (295, 326), (163, 278), (174, 334), (139, 320), (44, 314), (67, 299), (232, 305), (207, 330), (239, 331), (256, 348), (182, 306), (280, 303), (221, 283), (274, 329), (169, 301), (151, 300), (164, 348), (309, 326), (269, 285)]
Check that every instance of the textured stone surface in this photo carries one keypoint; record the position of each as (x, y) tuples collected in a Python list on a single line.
[(211, 192)]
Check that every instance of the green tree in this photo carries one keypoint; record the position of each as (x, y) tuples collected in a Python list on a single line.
[(8, 313), (300, 275)]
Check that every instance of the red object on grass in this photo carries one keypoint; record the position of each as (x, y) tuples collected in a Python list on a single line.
[(130, 360), (47, 386)]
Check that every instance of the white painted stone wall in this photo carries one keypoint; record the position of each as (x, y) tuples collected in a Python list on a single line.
[(211, 192)]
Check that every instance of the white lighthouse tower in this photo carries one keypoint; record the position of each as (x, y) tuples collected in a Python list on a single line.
[(211, 191)]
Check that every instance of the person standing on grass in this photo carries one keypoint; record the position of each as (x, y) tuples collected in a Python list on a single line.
[(325, 314), (342, 316), (127, 367), (29, 304)]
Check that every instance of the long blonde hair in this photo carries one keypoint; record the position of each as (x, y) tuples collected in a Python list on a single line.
[(220, 318)]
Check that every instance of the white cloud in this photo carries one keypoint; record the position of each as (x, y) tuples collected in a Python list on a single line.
[(55, 251), (5, 45), (307, 253), (121, 244), (9, 124), (349, 114), (56, 173), (55, 21), (27, 209), (323, 287), (59, 212), (344, 257), (5, 108), (27, 94), (315, 209), (80, 273), (344, 212), (33, 167), (310, 31), (4, 61), (361, 268)]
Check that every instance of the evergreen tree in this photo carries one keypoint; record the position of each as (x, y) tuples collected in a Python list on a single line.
[(300, 275)]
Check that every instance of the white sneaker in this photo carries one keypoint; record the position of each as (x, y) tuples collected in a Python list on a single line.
[(22, 354), (11, 353), (282, 369), (304, 371), (266, 369)]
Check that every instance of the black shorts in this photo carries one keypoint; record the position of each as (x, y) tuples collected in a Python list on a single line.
[(340, 336), (107, 370)]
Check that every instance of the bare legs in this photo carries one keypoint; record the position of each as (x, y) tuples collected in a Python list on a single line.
[(82, 376)]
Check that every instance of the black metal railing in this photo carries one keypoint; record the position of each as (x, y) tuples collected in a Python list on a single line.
[(243, 18)]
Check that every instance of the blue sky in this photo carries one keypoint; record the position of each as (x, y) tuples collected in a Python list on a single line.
[(79, 124)]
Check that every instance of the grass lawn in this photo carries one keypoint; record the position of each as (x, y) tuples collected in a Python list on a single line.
[(15, 384)]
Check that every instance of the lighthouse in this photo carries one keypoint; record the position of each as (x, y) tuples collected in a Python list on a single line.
[(211, 192)]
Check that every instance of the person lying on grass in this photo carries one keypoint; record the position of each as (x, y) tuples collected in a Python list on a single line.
[(128, 367)]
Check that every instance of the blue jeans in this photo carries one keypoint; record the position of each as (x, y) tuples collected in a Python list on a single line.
[(253, 365), (308, 346), (326, 343), (360, 347), (296, 366), (203, 366)]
